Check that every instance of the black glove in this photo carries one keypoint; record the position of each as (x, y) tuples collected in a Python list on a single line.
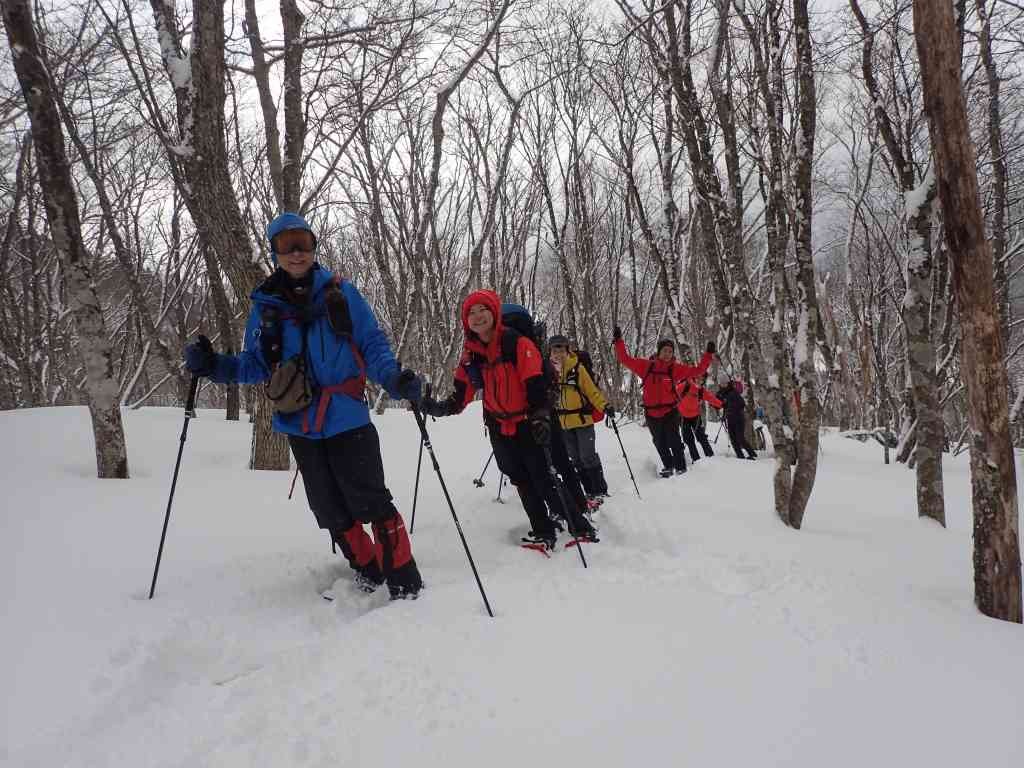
[(432, 407), (337, 312), (200, 358), (616, 333), (711, 348), (540, 429), (405, 385), (609, 411)]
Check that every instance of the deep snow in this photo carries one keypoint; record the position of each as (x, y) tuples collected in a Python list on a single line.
[(704, 633)]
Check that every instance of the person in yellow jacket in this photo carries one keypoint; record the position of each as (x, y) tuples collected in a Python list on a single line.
[(579, 400)]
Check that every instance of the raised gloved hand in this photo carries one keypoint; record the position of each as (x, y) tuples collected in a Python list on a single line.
[(404, 384), (200, 359), (616, 333), (711, 348), (609, 411), (540, 429)]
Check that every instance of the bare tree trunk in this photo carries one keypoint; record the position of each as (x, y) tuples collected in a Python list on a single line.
[(65, 229), (917, 305), (225, 325), (997, 567), (261, 74), (807, 296), (998, 159), (928, 438), (201, 159)]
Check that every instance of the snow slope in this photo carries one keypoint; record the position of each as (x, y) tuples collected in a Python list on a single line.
[(703, 633)]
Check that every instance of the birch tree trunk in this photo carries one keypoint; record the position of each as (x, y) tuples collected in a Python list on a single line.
[(65, 229), (917, 302), (997, 567), (200, 159), (807, 295)]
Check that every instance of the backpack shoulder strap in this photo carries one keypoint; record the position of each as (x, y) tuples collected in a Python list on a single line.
[(271, 336), (509, 345)]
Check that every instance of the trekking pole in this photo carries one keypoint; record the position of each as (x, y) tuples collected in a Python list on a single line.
[(190, 404), (501, 483), (421, 422), (416, 488), (561, 492), (294, 478), (479, 481), (721, 422), (623, 448)]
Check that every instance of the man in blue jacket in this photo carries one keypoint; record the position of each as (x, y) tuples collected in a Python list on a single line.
[(314, 337)]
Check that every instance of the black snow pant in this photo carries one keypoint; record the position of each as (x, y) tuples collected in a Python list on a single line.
[(526, 465), (344, 480), (737, 425), (665, 433), (574, 499), (581, 445), (693, 433)]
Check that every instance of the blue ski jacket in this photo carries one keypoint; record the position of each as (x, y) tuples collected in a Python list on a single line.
[(330, 359)]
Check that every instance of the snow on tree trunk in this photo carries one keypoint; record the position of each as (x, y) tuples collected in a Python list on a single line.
[(807, 297), (922, 405), (997, 566), (65, 228), (917, 305)]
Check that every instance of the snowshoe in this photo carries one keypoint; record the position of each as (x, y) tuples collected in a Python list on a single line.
[(665, 472), (542, 544), (584, 537)]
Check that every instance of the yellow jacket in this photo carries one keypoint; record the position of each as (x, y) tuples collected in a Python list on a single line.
[(577, 395)]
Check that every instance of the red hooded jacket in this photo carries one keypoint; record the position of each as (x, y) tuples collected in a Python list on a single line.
[(510, 382), (660, 378), (690, 395)]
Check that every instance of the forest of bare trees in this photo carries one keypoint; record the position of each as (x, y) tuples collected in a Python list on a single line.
[(772, 174)]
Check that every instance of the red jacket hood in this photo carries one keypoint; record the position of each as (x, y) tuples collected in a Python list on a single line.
[(492, 301)]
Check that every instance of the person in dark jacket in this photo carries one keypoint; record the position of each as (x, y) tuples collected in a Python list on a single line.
[(735, 416), (659, 376), (316, 333), (507, 367)]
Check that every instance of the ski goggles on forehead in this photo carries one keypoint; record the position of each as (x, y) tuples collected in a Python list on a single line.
[(292, 240)]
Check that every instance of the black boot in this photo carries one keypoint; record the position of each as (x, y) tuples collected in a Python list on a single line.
[(358, 549), (598, 481)]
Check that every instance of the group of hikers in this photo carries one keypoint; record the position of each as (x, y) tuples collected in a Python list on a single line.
[(314, 340)]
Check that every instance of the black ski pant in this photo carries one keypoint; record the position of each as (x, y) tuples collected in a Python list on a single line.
[(527, 467), (693, 433), (581, 445), (665, 433), (572, 496), (736, 423), (344, 480)]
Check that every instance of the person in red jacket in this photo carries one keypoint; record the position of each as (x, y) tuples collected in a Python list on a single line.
[(507, 367), (659, 376), (691, 394)]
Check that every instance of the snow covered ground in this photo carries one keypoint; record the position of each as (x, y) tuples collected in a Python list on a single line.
[(703, 633)]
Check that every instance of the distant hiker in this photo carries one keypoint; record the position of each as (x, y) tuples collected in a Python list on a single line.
[(691, 394), (578, 402), (735, 416), (314, 337), (659, 376), (507, 367)]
